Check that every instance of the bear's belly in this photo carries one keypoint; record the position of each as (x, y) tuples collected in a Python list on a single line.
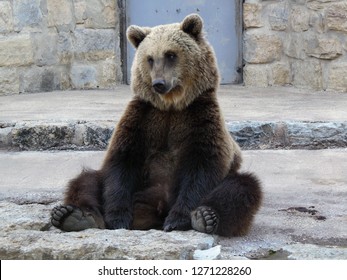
[(151, 205), (160, 169)]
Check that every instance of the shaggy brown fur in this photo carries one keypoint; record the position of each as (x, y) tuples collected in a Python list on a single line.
[(171, 163)]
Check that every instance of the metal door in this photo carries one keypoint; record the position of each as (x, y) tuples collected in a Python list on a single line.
[(222, 23)]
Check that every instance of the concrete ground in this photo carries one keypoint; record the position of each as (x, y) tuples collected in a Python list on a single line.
[(238, 103), (304, 214)]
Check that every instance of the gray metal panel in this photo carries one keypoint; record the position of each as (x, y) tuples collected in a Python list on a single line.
[(222, 26)]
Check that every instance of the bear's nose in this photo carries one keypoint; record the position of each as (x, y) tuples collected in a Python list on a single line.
[(159, 86)]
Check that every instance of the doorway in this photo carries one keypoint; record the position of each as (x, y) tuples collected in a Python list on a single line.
[(222, 24)]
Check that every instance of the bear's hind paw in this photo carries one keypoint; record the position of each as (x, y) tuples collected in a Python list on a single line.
[(204, 219), (71, 218)]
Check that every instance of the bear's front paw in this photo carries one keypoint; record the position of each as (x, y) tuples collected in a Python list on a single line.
[(205, 219), (177, 221)]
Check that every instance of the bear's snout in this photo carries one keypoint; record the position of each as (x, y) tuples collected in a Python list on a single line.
[(159, 86)]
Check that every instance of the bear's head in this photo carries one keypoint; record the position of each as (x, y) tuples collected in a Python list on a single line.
[(173, 63)]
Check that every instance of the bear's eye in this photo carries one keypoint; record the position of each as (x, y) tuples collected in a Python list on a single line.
[(150, 61), (170, 56)]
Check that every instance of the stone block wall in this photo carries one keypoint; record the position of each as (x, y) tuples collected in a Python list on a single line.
[(296, 42), (50, 45)]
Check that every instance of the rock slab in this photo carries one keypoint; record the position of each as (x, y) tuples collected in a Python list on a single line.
[(29, 236)]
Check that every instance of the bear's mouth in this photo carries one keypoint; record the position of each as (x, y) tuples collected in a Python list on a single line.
[(162, 87), (173, 91)]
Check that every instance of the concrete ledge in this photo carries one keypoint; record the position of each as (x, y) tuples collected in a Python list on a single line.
[(289, 134), (59, 136), (83, 135), (271, 118)]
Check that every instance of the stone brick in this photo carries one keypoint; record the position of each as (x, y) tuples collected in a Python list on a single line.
[(315, 6), (96, 13), (94, 44), (319, 5), (64, 47), (262, 48), (281, 74), (317, 21), (279, 16), (26, 13), (252, 15), (294, 45), (107, 73), (299, 18), (83, 76), (9, 81), (65, 82), (80, 11), (100, 14), (336, 16), (16, 51), (45, 46), (300, 2), (60, 14), (255, 75), (324, 48), (307, 74), (337, 79), (6, 18), (41, 79)]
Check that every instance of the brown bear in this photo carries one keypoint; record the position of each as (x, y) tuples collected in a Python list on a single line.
[(171, 163)]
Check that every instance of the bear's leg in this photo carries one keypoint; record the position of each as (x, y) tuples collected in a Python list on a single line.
[(150, 209), (82, 205), (146, 217), (229, 209)]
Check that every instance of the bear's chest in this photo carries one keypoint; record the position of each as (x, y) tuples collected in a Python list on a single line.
[(166, 131), (164, 140)]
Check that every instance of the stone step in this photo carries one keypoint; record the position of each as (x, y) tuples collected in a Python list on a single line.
[(92, 135), (303, 215), (271, 118)]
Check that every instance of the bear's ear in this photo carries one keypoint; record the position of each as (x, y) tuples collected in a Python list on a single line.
[(192, 25), (136, 34)]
